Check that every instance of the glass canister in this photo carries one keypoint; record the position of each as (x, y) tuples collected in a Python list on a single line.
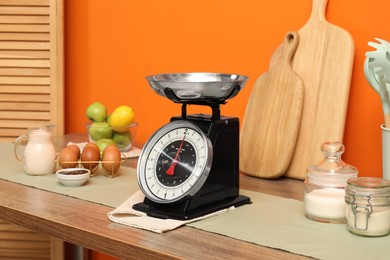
[(325, 185), (368, 206)]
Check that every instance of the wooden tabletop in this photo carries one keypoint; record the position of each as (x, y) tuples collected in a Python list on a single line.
[(86, 224)]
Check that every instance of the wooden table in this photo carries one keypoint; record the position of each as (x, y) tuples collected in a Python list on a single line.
[(86, 224)]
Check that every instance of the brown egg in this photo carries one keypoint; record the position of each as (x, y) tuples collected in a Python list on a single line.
[(111, 159), (67, 158), (111, 146), (75, 148), (90, 157), (93, 145)]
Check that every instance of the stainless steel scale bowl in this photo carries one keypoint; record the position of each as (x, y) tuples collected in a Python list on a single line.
[(197, 86)]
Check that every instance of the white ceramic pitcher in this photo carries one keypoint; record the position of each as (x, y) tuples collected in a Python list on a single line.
[(39, 154)]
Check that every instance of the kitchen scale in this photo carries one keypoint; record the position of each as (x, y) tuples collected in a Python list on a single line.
[(190, 166)]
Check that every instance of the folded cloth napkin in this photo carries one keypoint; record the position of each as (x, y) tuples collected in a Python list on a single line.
[(132, 153), (126, 215)]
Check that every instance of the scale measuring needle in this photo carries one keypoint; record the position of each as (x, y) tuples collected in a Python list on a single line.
[(171, 168)]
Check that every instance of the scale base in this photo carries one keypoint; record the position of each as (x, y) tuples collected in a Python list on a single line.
[(165, 212)]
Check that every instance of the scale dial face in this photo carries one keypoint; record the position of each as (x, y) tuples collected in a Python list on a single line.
[(175, 162)]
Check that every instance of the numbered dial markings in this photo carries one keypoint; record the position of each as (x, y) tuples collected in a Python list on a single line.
[(176, 162), (172, 172)]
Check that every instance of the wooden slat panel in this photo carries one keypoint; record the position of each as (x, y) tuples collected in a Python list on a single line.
[(25, 235), (25, 97), (25, 123), (24, 28), (21, 243), (24, 19), (25, 80), (25, 89), (13, 45), (5, 226), (24, 54), (12, 132), (6, 139), (12, 123), (58, 250), (31, 95), (27, 244), (24, 36), (22, 255), (25, 2), (24, 106), (24, 72), (57, 62), (39, 10), (27, 115), (24, 63)]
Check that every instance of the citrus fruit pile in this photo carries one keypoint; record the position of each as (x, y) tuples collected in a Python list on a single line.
[(114, 128)]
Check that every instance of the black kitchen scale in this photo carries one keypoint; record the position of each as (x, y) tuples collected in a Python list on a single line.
[(190, 166)]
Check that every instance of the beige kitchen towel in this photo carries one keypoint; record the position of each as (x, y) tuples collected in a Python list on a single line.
[(126, 215)]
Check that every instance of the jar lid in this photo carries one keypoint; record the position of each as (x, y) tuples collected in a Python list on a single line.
[(331, 170), (369, 183), (377, 189)]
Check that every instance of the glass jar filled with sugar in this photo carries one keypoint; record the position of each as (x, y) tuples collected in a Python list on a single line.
[(368, 206), (325, 185)]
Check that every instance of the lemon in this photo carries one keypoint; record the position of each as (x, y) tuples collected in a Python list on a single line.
[(122, 117)]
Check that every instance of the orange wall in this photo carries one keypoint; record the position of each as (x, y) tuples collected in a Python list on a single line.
[(112, 45)]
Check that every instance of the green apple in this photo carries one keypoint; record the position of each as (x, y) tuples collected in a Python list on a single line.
[(100, 130), (103, 143), (108, 119), (122, 140), (96, 112)]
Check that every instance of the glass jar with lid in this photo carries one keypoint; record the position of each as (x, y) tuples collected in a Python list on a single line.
[(368, 206), (325, 185)]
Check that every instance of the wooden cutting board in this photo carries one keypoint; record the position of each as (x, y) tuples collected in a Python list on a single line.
[(324, 60), (272, 117)]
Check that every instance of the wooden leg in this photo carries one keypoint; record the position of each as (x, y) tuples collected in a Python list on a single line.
[(76, 252)]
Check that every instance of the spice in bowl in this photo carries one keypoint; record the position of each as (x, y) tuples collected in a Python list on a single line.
[(73, 177), (74, 172)]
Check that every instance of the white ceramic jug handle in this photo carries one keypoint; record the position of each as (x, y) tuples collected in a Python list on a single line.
[(17, 144)]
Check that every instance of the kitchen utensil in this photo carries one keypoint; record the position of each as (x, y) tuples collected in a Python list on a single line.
[(39, 154), (272, 117), (198, 86), (386, 102), (377, 72), (189, 167), (380, 58), (324, 60)]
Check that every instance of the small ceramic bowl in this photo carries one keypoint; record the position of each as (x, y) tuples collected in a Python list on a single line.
[(73, 177)]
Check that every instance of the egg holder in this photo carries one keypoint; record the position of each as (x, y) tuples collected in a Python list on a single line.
[(79, 164)]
